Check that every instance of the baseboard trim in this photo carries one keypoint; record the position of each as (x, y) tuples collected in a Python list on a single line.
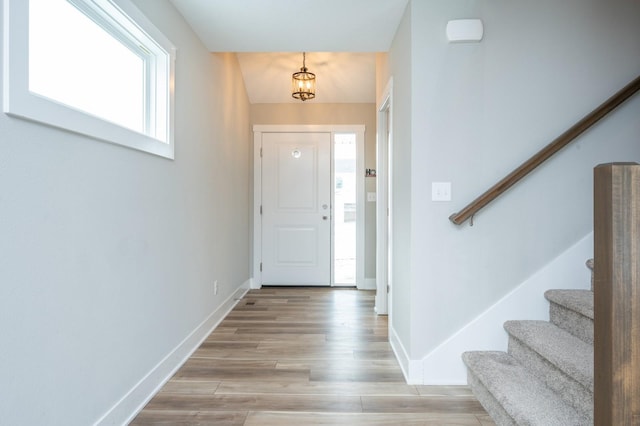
[(125, 410), (411, 369), (254, 284)]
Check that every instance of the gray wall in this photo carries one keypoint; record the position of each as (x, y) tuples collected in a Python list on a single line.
[(401, 71), (108, 255), (476, 111)]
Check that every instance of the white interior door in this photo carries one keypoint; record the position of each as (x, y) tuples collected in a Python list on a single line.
[(296, 208)]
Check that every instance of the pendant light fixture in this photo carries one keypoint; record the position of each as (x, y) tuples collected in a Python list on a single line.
[(303, 82)]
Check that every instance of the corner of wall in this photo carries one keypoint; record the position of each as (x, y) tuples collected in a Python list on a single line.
[(444, 366)]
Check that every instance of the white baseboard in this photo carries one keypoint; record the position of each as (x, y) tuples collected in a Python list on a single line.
[(411, 369), (444, 366), (254, 284), (134, 401)]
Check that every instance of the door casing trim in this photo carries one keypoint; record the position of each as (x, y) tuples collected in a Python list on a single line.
[(384, 207)]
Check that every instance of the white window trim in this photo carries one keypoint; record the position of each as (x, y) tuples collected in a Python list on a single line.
[(18, 101)]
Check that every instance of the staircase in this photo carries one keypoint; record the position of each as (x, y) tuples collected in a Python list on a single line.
[(546, 378)]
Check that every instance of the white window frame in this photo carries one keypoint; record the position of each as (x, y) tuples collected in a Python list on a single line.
[(124, 21)]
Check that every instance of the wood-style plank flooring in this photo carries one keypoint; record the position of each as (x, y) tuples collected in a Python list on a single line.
[(304, 356)]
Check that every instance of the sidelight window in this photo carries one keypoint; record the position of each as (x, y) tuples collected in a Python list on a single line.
[(345, 196)]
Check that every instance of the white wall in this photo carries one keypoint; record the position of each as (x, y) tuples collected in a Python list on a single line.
[(478, 111), (108, 255)]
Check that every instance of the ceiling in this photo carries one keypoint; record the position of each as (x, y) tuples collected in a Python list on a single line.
[(340, 77), (339, 36)]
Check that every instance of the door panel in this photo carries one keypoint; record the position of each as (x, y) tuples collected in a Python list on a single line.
[(296, 225), (296, 246)]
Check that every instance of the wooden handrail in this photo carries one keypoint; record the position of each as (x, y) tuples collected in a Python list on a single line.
[(545, 153)]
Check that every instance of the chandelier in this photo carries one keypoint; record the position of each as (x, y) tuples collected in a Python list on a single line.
[(303, 82)]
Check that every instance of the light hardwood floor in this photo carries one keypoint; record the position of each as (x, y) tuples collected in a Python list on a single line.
[(304, 356)]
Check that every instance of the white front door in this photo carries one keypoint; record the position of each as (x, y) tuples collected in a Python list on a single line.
[(296, 208)]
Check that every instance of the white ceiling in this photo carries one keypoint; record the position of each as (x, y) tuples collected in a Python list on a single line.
[(339, 36), (294, 25)]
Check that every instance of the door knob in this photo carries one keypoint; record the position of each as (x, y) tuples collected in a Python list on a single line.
[(324, 217)]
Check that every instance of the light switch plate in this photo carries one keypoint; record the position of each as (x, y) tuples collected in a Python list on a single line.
[(440, 191), (371, 197)]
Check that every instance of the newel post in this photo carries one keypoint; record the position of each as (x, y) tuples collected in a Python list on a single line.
[(617, 294)]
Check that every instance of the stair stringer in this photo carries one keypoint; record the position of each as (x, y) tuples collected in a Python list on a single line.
[(444, 366)]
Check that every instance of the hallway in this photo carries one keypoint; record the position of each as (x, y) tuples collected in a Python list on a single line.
[(304, 356)]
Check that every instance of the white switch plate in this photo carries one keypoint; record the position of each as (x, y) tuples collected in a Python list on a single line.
[(440, 191), (371, 197)]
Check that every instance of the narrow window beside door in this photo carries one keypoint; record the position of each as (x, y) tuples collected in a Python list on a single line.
[(344, 245)]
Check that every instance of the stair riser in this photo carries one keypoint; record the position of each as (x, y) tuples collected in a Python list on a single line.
[(570, 390), (490, 404), (572, 322)]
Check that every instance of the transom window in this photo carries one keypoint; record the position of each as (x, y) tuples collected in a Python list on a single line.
[(96, 67)]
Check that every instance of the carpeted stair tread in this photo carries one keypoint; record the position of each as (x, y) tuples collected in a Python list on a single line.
[(580, 301), (520, 394), (572, 310), (565, 351)]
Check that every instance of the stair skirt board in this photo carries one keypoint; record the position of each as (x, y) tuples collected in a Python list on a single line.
[(442, 366)]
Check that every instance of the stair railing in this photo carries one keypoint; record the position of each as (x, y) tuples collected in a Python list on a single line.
[(545, 153), (616, 350)]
